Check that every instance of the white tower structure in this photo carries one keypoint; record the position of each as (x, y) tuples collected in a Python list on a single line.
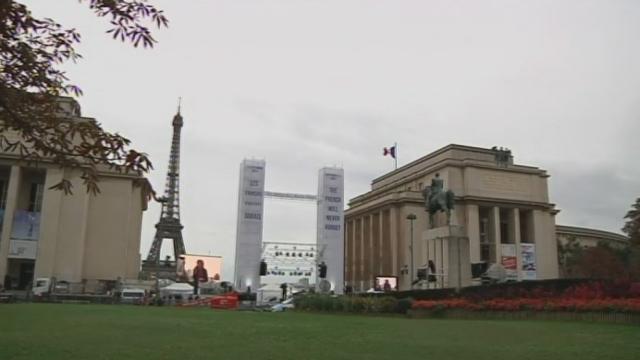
[(330, 241), (330, 224), (249, 225)]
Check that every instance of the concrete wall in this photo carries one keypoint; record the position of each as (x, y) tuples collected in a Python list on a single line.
[(113, 226), (82, 236)]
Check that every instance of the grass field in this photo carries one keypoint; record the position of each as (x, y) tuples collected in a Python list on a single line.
[(49, 331)]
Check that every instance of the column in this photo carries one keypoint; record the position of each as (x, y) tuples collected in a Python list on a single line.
[(348, 254), (362, 253), (393, 232), (375, 233), (367, 249), (494, 223), (49, 224), (358, 254), (473, 232), (13, 189), (385, 228), (354, 257), (517, 238)]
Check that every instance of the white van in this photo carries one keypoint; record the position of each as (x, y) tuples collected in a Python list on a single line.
[(41, 287), (132, 296)]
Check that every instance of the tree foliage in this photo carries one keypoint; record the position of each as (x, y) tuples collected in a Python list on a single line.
[(32, 124), (597, 262), (568, 255), (632, 225)]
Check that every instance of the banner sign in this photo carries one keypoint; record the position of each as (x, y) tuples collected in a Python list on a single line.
[(23, 249), (330, 225), (528, 252), (26, 225), (249, 225), (509, 261)]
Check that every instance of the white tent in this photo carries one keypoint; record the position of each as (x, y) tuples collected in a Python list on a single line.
[(177, 289), (270, 287)]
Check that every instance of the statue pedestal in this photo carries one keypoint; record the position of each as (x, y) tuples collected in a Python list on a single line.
[(448, 248)]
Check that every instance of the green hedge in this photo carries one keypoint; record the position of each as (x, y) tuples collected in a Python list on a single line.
[(352, 304)]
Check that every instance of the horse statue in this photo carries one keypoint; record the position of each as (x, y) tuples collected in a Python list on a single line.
[(437, 199)]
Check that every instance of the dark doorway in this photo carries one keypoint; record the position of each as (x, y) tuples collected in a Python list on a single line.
[(21, 273), (26, 275)]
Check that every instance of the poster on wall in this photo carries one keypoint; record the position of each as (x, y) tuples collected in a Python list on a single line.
[(528, 261), (26, 225), (386, 283), (23, 249), (509, 261)]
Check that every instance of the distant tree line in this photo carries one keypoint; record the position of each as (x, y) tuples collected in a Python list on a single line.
[(604, 261)]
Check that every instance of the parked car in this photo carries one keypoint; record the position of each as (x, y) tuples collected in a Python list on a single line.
[(287, 304), (61, 287)]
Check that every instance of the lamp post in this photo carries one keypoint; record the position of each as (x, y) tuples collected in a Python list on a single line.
[(411, 218)]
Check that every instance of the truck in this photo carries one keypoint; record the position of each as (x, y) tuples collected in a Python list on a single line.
[(53, 290)]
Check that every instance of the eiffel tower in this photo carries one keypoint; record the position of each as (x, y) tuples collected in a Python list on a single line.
[(169, 226)]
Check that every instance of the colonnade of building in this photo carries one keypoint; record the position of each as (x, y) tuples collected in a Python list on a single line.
[(21, 197), (378, 242)]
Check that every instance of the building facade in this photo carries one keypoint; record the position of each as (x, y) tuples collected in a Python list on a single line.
[(503, 207), (78, 237), (586, 237)]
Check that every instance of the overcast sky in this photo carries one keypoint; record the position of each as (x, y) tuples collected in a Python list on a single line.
[(309, 83)]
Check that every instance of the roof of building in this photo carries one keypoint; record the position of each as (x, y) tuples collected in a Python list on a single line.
[(489, 153), (587, 232)]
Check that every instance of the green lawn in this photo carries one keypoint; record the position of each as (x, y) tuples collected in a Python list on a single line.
[(49, 331)]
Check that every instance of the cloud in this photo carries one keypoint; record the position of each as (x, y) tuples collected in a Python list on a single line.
[(595, 197), (306, 84)]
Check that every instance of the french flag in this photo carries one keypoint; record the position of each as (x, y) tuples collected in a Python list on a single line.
[(389, 151)]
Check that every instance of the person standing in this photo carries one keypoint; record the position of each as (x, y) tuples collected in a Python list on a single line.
[(199, 275), (181, 272), (283, 286), (386, 286)]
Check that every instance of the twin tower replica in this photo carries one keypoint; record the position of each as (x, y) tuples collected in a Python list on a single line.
[(330, 224)]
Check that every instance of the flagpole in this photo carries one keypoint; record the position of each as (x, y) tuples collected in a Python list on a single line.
[(395, 158)]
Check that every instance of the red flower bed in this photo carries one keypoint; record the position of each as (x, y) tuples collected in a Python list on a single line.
[(558, 304), (587, 297)]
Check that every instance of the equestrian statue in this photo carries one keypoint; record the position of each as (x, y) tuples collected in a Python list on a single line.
[(437, 199)]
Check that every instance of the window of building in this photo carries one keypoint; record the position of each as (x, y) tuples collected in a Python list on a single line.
[(487, 246), (3, 194), (506, 231), (35, 197), (526, 230)]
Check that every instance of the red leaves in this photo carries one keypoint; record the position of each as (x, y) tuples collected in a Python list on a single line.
[(127, 17), (30, 82), (64, 185), (40, 130), (595, 297), (577, 305)]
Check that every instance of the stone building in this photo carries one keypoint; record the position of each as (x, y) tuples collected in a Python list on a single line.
[(586, 237), (504, 208), (76, 238)]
